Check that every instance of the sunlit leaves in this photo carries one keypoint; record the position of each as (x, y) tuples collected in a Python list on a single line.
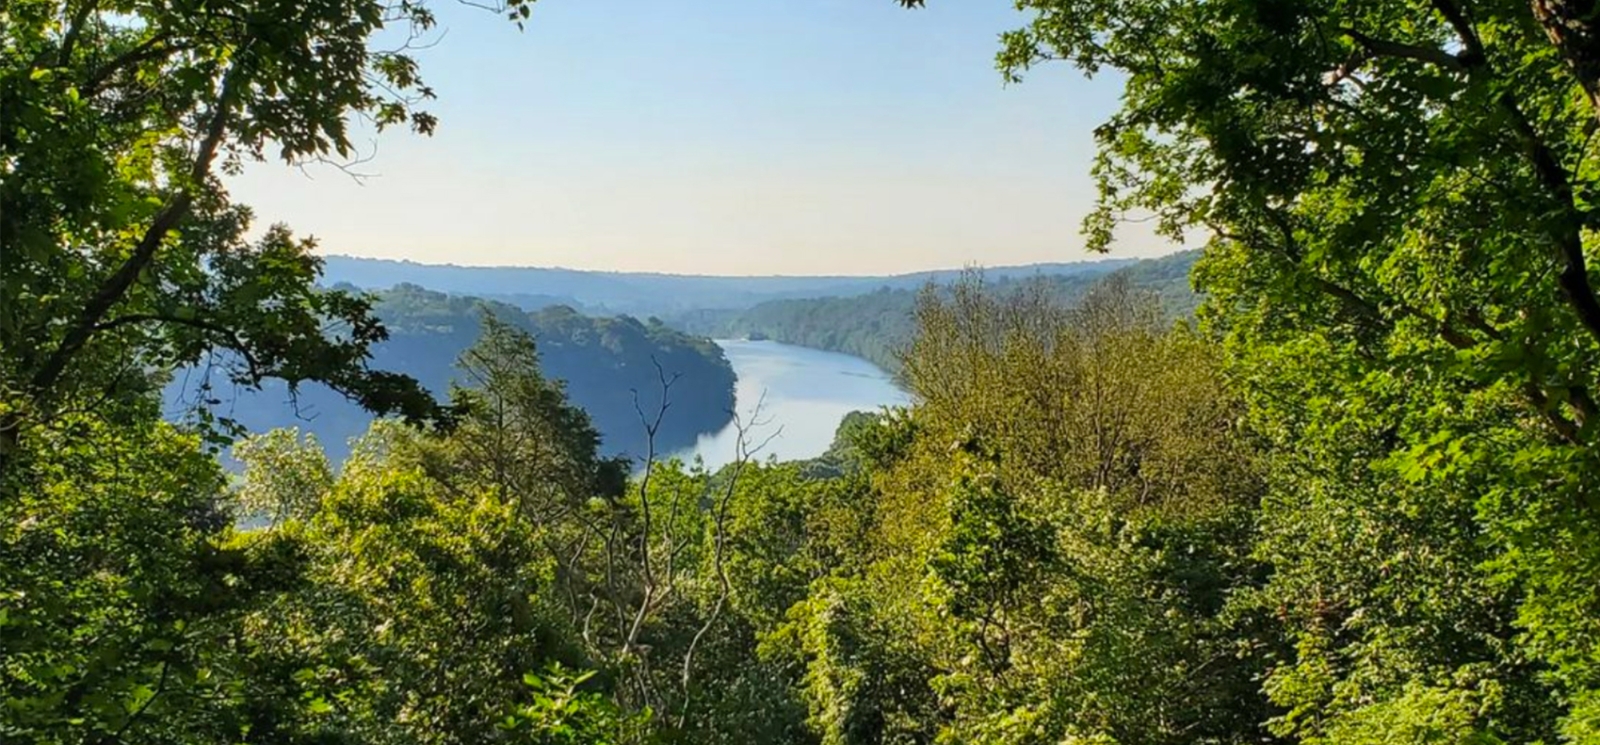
[(124, 593), (1393, 194)]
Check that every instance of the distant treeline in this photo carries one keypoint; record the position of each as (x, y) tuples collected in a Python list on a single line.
[(647, 293), (877, 326)]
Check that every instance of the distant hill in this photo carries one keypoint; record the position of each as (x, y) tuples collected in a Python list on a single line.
[(646, 294), (601, 360), (877, 325)]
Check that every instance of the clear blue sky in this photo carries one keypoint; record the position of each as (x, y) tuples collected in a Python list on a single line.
[(724, 137)]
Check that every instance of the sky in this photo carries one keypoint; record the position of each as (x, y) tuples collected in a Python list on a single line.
[(720, 137)]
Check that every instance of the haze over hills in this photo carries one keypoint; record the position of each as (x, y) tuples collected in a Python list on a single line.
[(603, 357), (643, 293), (877, 325)]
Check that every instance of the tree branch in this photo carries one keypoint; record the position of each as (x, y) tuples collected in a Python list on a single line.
[(1386, 48), (1567, 236), (149, 49), (161, 687), (743, 455), (112, 291), (1471, 44), (69, 40), (237, 343)]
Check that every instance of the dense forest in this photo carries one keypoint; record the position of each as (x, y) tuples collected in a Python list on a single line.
[(880, 325), (619, 370), (1351, 501)]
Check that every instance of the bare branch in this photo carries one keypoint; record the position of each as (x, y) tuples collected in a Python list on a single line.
[(743, 455)]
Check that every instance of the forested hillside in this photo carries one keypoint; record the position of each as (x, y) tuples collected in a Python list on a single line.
[(880, 325), (644, 293), (1353, 500), (602, 363)]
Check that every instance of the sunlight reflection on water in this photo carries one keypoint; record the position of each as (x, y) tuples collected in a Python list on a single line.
[(803, 394)]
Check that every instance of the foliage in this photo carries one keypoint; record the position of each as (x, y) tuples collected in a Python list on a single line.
[(284, 476), (878, 326), (559, 713), (844, 455), (423, 611), (123, 255), (1399, 199), (1354, 505), (122, 592), (1047, 542), (453, 569), (518, 434), (440, 587)]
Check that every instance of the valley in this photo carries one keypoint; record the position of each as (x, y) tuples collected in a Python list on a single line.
[(819, 329), (1332, 479)]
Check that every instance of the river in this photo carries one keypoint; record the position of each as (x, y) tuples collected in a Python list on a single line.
[(802, 393)]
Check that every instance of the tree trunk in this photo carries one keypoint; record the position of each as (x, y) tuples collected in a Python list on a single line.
[(1573, 27)]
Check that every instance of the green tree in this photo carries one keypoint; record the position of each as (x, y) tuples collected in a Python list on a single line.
[(1052, 536), (519, 435), (128, 596), (561, 713), (424, 609), (123, 254), (1399, 199), (284, 476), (123, 594)]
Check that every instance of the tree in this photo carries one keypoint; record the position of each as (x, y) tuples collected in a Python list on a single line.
[(446, 564), (1100, 394), (127, 595), (519, 435), (123, 596), (424, 609), (1399, 203), (122, 253), (1054, 533), (284, 476)]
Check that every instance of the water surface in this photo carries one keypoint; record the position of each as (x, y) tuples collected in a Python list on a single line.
[(802, 395)]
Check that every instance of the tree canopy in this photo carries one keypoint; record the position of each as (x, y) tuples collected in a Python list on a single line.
[(1351, 500), (123, 253), (1399, 199)]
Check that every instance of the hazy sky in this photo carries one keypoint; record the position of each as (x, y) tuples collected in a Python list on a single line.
[(723, 137)]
